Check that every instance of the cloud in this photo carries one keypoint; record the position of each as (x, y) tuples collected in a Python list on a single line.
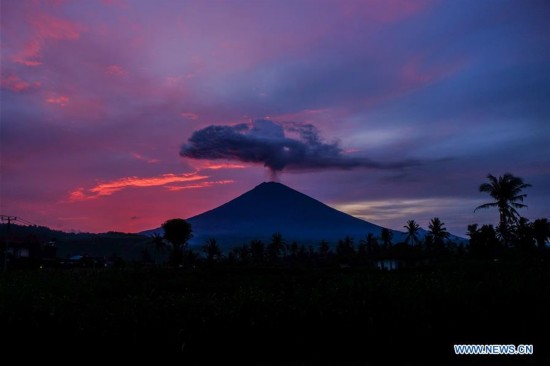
[(190, 116), (29, 55), (200, 185), (108, 188), (16, 84), (46, 28), (456, 213), (145, 158), (116, 70), (279, 146), (49, 27), (60, 100)]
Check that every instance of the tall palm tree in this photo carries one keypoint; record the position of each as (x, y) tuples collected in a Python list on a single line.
[(438, 231), (412, 232), (506, 191)]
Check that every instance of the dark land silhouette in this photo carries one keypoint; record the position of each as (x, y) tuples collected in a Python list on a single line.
[(274, 207), (384, 297)]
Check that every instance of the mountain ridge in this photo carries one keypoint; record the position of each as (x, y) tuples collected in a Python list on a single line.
[(272, 207)]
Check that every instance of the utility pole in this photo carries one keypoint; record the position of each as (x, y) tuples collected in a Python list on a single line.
[(9, 219)]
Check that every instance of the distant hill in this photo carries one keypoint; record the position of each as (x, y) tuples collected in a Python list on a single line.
[(127, 246), (274, 207)]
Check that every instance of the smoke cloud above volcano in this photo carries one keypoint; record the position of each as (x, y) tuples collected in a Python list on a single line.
[(288, 146)]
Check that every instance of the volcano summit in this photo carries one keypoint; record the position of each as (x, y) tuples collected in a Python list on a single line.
[(273, 207)]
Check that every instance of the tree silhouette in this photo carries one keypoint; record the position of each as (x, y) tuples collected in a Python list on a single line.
[(257, 250), (506, 192), (483, 242), (429, 242), (276, 246), (412, 232), (386, 235), (293, 249), (243, 253), (541, 232), (438, 231), (523, 235), (371, 244), (159, 244), (178, 232), (472, 231), (344, 249), (324, 249), (362, 250), (212, 251)]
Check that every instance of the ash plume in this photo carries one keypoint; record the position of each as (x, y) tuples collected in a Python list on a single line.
[(286, 146)]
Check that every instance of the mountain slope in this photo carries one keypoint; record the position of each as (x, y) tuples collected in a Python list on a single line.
[(273, 207)]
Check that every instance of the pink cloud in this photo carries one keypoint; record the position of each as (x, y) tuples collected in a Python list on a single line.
[(418, 72), (200, 185), (60, 100), (189, 115), (44, 28), (29, 55), (108, 188), (144, 158), (116, 70), (16, 84), (49, 27)]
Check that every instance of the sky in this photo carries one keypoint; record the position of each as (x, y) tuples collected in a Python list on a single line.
[(121, 114)]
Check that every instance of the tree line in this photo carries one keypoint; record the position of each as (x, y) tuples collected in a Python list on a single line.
[(512, 233)]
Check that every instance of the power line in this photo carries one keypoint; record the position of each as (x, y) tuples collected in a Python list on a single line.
[(25, 221), (9, 219)]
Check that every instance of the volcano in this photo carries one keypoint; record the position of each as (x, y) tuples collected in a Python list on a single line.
[(273, 207)]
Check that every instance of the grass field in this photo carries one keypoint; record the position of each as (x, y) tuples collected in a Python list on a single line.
[(281, 315)]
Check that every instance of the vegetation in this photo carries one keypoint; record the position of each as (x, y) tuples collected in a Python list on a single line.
[(412, 232), (506, 191), (178, 232), (281, 315), (286, 303)]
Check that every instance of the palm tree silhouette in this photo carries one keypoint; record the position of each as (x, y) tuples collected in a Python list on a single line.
[(412, 232), (506, 191), (438, 231)]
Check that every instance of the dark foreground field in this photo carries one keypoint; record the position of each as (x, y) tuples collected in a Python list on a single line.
[(289, 316)]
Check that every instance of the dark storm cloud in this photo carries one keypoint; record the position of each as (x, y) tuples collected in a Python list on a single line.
[(279, 146)]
